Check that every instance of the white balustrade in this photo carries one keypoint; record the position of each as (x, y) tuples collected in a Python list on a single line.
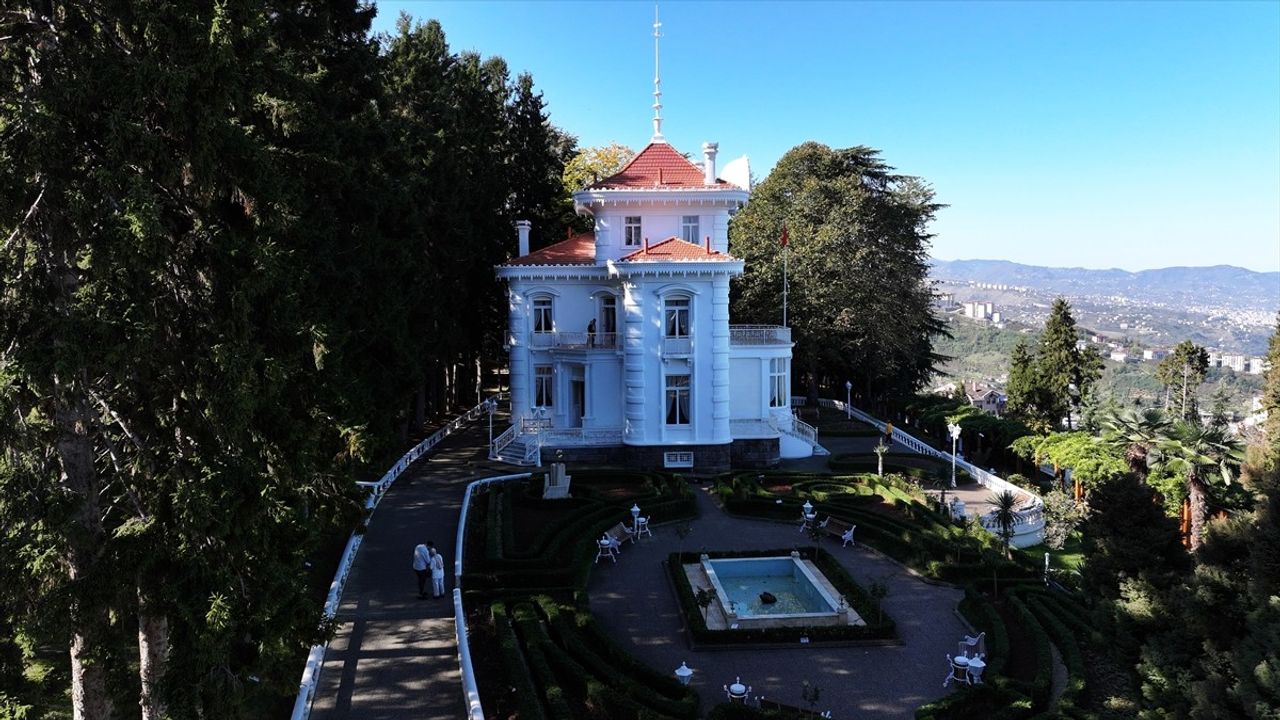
[(759, 335)]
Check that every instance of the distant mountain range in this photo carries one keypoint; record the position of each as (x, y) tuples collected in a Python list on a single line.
[(1218, 285)]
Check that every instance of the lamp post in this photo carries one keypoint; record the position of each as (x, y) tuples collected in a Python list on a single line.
[(848, 399), (954, 429), (684, 674), (807, 507), (490, 406), (635, 517)]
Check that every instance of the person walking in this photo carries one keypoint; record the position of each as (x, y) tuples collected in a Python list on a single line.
[(437, 574), (422, 567)]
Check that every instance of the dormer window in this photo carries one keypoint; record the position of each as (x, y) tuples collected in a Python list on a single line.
[(631, 231), (689, 230)]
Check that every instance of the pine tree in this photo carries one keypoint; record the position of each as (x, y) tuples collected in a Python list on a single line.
[(1182, 372), (1059, 365)]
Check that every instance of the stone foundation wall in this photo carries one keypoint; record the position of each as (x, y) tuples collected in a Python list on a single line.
[(755, 454), (744, 454), (706, 458), (592, 455)]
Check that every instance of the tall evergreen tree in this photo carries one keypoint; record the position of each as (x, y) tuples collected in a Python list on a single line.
[(1059, 364), (1182, 372), (860, 301)]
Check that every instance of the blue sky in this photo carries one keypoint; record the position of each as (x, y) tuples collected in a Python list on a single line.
[(1091, 134)]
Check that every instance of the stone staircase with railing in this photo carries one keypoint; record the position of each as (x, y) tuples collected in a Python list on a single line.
[(795, 427)]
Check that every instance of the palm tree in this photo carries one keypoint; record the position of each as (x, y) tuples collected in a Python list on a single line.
[(880, 450), (1005, 518), (1136, 434), (1199, 454)]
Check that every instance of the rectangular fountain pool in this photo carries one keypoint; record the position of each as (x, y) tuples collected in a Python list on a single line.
[(801, 598)]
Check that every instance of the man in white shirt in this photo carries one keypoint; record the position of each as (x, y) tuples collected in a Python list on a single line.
[(422, 567)]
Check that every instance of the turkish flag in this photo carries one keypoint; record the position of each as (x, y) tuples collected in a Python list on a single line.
[(785, 240)]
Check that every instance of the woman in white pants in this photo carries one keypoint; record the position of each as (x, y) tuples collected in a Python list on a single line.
[(437, 574)]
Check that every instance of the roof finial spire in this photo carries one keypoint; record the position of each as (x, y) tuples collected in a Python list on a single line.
[(657, 81)]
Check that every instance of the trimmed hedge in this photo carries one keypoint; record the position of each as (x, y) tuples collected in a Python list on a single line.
[(854, 595), (982, 615), (532, 634), (1042, 684), (1062, 637), (990, 701), (513, 664)]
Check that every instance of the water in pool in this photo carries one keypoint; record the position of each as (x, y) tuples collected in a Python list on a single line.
[(744, 580)]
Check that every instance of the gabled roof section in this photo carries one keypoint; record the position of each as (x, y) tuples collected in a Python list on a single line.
[(577, 250), (673, 249), (659, 166)]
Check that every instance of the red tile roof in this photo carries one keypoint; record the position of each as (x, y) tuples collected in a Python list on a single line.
[(658, 166), (673, 248), (577, 250)]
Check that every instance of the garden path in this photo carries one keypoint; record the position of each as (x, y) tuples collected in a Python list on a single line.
[(977, 499), (634, 602), (394, 656)]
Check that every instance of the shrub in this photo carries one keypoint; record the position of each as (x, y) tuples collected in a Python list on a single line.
[(1041, 686), (513, 665)]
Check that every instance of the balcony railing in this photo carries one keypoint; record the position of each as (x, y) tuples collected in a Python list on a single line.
[(574, 340), (759, 335), (677, 346)]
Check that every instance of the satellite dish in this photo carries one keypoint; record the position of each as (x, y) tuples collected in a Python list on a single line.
[(738, 172)]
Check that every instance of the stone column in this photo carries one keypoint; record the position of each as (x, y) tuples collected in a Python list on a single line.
[(633, 361), (720, 431)]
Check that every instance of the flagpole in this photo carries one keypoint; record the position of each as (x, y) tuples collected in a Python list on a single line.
[(786, 250)]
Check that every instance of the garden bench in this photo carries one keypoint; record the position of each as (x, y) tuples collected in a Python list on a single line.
[(838, 528), (620, 532)]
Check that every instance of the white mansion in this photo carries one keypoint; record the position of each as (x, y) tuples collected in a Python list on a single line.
[(621, 350)]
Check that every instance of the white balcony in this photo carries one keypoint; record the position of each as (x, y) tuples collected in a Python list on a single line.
[(759, 335), (573, 340)]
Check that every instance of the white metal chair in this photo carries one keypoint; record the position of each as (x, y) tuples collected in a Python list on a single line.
[(847, 536), (642, 527), (806, 521), (605, 548), (958, 670), (973, 645)]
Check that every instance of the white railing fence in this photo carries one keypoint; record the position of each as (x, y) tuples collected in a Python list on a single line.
[(1030, 520), (792, 425), (759, 334), (470, 691), (315, 658), (502, 441)]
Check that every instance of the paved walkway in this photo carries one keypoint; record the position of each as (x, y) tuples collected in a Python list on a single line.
[(394, 656), (634, 602)]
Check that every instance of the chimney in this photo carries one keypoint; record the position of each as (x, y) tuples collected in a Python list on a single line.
[(708, 244), (646, 244), (522, 231), (709, 162)]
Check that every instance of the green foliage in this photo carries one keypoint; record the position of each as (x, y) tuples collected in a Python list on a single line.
[(1182, 371), (1091, 463), (860, 301), (591, 164), (1061, 517), (218, 300)]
